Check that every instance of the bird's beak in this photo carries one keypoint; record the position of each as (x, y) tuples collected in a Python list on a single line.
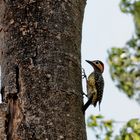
[(90, 62)]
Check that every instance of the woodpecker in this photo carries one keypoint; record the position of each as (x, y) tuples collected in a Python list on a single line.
[(95, 84)]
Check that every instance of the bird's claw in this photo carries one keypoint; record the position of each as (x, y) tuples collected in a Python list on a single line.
[(84, 94), (83, 74)]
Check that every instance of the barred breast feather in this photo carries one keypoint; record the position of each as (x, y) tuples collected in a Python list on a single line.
[(95, 87)]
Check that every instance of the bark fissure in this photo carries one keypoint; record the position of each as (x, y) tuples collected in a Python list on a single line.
[(3, 110), (13, 106), (34, 58)]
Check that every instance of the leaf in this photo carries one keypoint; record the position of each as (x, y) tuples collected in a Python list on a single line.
[(99, 117), (127, 137), (107, 138), (92, 122), (132, 122), (135, 136)]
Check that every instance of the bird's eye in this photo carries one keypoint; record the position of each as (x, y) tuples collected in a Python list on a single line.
[(97, 62)]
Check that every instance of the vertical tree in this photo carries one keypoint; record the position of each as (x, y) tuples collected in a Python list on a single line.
[(41, 69)]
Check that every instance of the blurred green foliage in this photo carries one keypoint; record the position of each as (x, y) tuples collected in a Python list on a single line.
[(131, 131), (132, 7), (125, 67), (125, 62), (103, 129)]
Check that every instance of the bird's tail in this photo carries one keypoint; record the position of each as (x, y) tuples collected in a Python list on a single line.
[(87, 104)]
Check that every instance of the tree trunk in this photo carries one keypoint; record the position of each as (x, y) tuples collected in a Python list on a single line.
[(41, 69)]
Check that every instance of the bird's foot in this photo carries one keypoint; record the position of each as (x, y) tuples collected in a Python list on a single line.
[(83, 74), (84, 94)]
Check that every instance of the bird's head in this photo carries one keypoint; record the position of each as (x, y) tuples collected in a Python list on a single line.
[(97, 65)]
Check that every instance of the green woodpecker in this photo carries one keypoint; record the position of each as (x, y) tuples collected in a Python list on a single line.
[(95, 84)]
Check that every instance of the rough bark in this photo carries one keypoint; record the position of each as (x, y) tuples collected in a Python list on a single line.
[(3, 110), (41, 69), (3, 106)]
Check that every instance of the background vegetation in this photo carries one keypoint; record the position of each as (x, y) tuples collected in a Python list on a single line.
[(124, 65)]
